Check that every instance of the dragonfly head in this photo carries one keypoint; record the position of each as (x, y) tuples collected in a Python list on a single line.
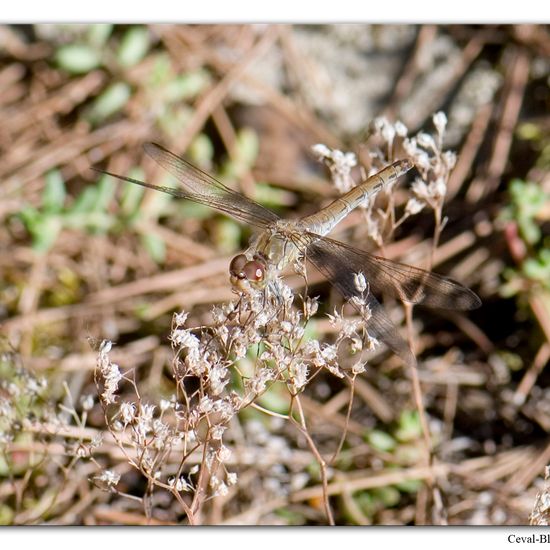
[(244, 272)]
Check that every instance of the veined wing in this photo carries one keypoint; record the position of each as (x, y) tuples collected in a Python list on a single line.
[(331, 261), (405, 282), (198, 186)]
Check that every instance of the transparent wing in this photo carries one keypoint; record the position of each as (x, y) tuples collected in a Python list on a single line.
[(200, 187), (406, 282), (340, 262)]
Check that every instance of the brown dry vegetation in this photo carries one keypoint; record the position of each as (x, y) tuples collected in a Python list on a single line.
[(83, 261)]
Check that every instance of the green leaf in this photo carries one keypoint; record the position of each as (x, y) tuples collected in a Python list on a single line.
[(131, 196), (54, 194), (389, 496), (92, 221), (275, 399), (273, 197), (134, 46), (538, 269), (162, 70), (227, 235), (29, 216), (409, 427), (109, 102), (529, 131), (174, 119), (529, 230), (99, 33), (247, 146), (45, 232), (201, 150), (105, 193), (244, 154), (77, 58), (187, 86), (86, 201), (381, 440), (155, 246), (410, 485), (290, 517)]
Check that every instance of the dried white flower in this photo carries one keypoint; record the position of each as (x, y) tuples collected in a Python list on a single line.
[(165, 404), (217, 431), (339, 164), (311, 305), (110, 373), (218, 379), (127, 412), (179, 484), (449, 158), (426, 141), (87, 402), (440, 122), (224, 454), (105, 347), (108, 478), (360, 282), (258, 383), (181, 318), (373, 343), (400, 129), (420, 189), (225, 408), (184, 339), (414, 206), (438, 188), (206, 404), (299, 372), (356, 345), (388, 133), (231, 478), (320, 150)]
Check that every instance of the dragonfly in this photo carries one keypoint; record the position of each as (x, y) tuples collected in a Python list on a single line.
[(282, 242)]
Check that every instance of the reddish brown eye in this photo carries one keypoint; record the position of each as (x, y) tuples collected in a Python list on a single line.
[(254, 271), (237, 265)]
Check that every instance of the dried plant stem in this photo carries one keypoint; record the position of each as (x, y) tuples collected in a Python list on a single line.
[(302, 427), (417, 392), (348, 416)]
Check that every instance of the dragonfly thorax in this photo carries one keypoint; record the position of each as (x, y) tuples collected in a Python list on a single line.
[(269, 253)]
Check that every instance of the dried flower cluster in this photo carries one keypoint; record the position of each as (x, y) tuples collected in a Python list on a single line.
[(253, 343), (388, 142), (20, 390)]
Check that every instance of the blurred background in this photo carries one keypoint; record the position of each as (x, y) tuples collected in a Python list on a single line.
[(84, 258)]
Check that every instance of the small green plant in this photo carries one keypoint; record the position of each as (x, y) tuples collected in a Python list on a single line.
[(87, 212), (529, 207)]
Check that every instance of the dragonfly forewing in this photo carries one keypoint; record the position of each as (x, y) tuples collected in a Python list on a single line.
[(198, 186)]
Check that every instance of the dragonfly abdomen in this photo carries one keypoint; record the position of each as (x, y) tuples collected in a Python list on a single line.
[(324, 221)]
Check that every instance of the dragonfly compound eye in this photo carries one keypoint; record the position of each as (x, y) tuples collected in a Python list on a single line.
[(237, 265), (254, 271)]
